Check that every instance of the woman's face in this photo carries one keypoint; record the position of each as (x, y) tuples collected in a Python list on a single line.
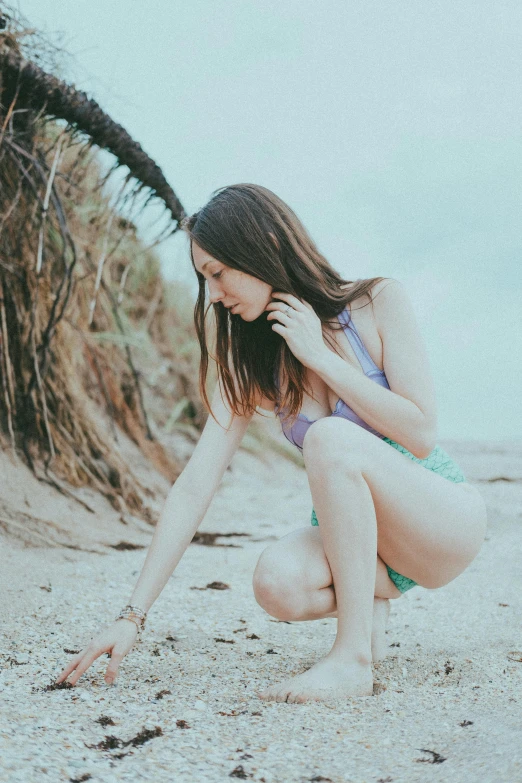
[(238, 291)]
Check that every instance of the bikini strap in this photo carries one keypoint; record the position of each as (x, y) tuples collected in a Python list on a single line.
[(355, 341)]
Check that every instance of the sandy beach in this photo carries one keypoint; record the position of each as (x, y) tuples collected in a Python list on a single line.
[(447, 701)]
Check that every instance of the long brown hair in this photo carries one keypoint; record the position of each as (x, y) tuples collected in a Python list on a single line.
[(247, 227)]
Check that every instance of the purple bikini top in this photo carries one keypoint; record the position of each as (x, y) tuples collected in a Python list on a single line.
[(296, 433)]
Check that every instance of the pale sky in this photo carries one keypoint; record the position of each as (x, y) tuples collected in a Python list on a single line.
[(394, 130)]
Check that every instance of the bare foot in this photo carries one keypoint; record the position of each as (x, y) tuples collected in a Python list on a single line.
[(327, 679), (381, 613)]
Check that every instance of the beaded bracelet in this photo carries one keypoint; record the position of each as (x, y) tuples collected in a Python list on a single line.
[(136, 609)]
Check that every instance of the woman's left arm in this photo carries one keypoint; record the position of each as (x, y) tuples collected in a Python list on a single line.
[(407, 412)]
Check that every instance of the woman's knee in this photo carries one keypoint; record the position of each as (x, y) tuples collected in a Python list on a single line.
[(329, 447), (279, 584)]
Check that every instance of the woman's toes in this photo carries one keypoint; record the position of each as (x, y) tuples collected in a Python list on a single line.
[(300, 697), (275, 694)]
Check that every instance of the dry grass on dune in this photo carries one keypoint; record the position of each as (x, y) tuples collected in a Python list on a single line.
[(93, 342), (95, 346)]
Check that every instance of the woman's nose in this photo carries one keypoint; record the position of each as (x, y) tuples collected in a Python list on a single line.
[(215, 294)]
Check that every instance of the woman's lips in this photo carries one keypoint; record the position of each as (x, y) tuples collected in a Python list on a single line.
[(234, 307)]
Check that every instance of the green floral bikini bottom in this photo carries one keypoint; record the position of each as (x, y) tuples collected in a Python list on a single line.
[(439, 462)]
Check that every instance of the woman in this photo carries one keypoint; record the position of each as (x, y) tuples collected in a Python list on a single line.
[(347, 381)]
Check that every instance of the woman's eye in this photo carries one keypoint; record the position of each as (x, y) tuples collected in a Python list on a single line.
[(216, 275)]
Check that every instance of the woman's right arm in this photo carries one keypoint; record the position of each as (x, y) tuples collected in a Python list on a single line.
[(188, 500), (184, 509)]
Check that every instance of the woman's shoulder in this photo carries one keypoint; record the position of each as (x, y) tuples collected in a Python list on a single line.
[(388, 295), (384, 297), (387, 282), (366, 302), (375, 289)]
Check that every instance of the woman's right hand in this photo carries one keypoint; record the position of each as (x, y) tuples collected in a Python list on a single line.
[(117, 640)]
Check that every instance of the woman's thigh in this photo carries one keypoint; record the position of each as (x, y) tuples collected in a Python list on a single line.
[(428, 528)]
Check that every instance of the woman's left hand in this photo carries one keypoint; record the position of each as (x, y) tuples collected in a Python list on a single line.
[(296, 321)]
